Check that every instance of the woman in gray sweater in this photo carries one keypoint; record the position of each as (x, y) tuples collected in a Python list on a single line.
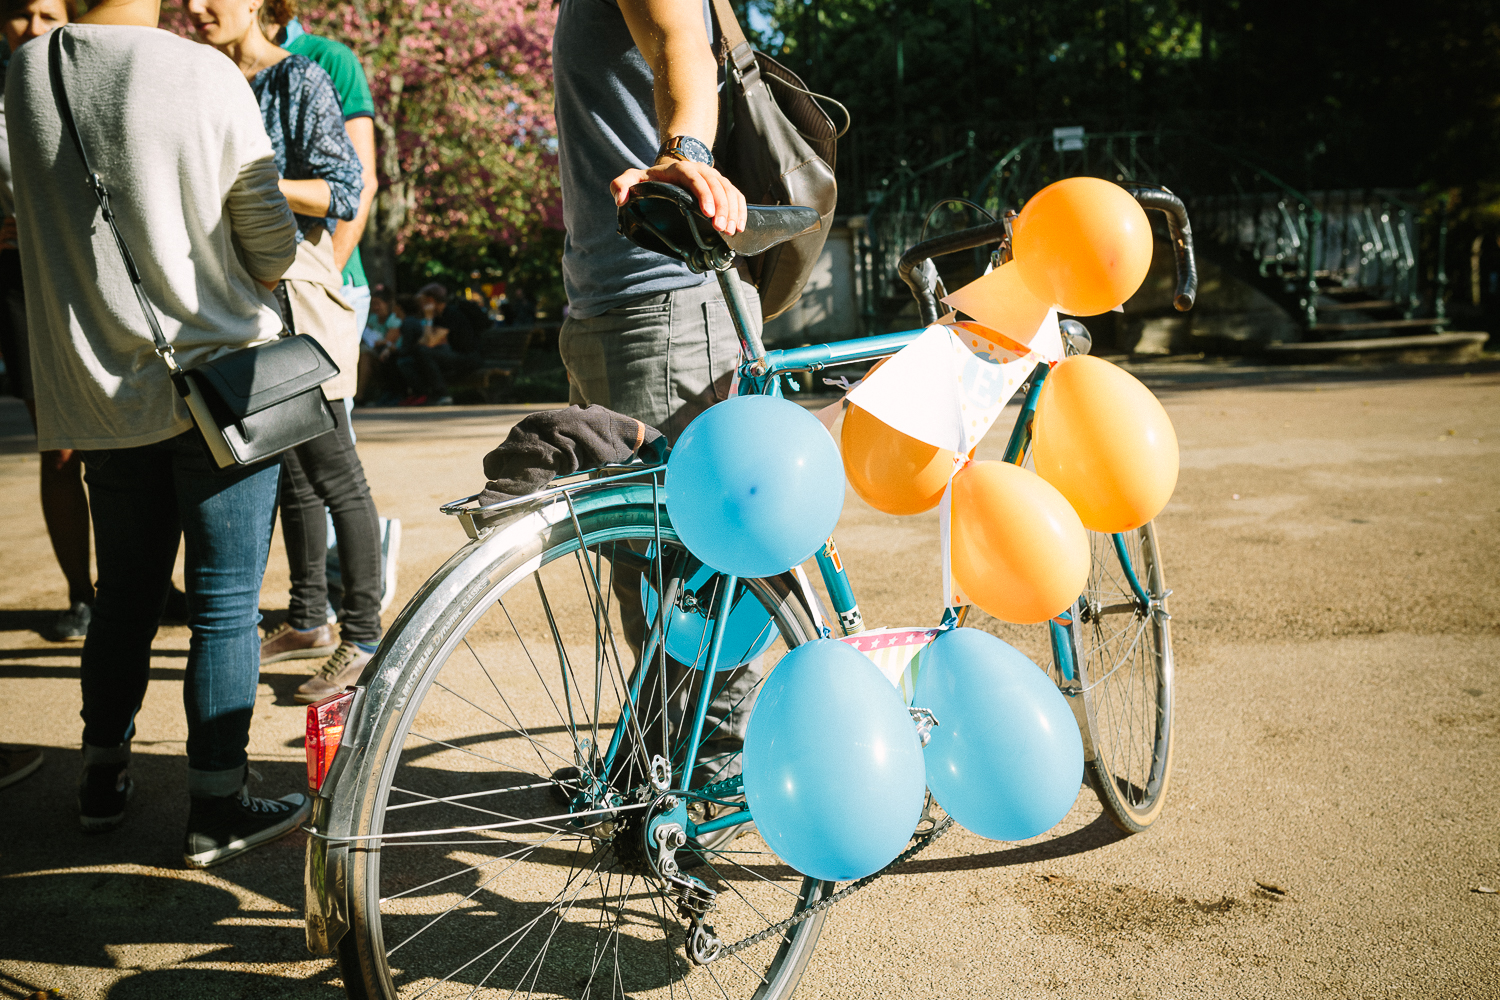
[(174, 131), (322, 179)]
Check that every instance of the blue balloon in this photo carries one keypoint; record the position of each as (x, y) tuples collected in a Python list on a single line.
[(1006, 758), (754, 486), (750, 630), (833, 767)]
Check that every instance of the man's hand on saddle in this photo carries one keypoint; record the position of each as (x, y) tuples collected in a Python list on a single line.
[(718, 199)]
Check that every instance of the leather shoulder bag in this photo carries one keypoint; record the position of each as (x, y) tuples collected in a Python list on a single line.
[(251, 404), (776, 144)]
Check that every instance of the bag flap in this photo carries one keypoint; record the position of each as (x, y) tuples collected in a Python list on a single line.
[(251, 379)]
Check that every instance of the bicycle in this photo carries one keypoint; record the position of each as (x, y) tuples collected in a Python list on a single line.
[(529, 794)]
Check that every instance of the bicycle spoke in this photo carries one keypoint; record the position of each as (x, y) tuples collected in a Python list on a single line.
[(432, 800), (472, 868), (558, 897)]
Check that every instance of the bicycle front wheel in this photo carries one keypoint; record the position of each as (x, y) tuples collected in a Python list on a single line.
[(521, 709), (1122, 648)]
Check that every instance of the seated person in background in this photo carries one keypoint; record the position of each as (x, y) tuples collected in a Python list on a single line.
[(518, 308), (446, 345), (382, 331)]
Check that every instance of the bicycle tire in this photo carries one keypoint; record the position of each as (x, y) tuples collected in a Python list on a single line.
[(1122, 694), (435, 662)]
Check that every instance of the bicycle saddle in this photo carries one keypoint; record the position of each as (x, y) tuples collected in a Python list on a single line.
[(664, 218)]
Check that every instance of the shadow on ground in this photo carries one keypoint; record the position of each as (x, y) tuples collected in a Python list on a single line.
[(124, 904)]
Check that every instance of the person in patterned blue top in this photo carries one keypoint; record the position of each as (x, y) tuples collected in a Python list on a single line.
[(306, 124), (321, 179)]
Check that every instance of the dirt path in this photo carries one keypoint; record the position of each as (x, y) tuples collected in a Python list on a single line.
[(1332, 548)]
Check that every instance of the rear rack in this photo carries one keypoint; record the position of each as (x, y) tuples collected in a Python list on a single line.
[(478, 518)]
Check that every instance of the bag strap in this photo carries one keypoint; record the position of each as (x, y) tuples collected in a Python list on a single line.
[(737, 48), (101, 193)]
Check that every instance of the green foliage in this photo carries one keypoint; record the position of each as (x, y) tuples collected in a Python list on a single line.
[(533, 265), (1327, 94)]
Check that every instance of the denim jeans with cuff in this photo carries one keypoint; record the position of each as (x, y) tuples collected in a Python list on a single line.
[(141, 501)]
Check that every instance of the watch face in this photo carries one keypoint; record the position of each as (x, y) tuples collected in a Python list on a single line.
[(689, 148)]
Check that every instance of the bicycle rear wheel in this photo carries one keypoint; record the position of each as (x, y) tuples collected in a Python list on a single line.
[(502, 715), (1122, 648)]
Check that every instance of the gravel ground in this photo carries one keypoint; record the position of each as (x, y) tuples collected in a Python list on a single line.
[(1332, 551)]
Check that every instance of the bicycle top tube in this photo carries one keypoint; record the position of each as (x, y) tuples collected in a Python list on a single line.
[(816, 356)]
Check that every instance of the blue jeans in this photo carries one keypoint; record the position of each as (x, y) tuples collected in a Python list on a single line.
[(142, 500)]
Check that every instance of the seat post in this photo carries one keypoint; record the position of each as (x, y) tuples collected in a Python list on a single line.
[(750, 345)]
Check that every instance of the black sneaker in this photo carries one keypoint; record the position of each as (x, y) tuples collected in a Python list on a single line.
[(72, 624), (102, 794), (16, 762), (220, 828)]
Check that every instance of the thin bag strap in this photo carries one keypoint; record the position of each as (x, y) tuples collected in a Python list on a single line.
[(101, 193), (738, 50)]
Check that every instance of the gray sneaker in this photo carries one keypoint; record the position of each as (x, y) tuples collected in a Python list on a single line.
[(342, 669), (72, 624)]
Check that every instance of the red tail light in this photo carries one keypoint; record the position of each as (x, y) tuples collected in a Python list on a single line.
[(325, 729)]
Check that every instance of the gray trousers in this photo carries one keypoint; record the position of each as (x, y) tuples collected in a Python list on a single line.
[(664, 359)]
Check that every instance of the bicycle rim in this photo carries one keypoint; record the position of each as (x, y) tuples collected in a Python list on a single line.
[(529, 680), (1124, 654)]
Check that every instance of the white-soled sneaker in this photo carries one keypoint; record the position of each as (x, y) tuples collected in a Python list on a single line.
[(223, 827), (103, 791), (390, 552)]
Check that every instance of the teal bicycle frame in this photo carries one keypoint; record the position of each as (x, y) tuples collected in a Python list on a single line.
[(764, 377), (762, 374)]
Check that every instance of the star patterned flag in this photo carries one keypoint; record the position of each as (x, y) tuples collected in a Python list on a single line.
[(897, 652)]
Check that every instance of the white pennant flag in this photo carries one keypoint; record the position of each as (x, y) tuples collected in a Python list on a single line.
[(1001, 302), (941, 390)]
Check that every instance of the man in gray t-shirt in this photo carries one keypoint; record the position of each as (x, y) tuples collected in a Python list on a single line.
[(636, 84), (194, 191), (644, 335)]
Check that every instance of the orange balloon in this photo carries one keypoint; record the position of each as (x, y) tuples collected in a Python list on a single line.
[(1017, 549), (1106, 443), (1084, 244), (891, 471)]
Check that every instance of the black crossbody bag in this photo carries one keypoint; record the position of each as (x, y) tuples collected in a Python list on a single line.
[(250, 405)]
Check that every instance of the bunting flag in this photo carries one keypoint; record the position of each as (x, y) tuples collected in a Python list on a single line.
[(943, 389), (1002, 303), (896, 652), (948, 387)]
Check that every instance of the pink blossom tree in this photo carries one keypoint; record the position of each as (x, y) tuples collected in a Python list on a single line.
[(466, 142)]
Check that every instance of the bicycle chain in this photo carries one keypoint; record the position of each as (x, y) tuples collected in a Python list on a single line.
[(818, 907)]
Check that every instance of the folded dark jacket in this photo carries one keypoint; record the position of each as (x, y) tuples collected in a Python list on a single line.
[(556, 443)]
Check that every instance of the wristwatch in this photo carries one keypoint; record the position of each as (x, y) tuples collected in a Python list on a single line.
[(685, 147)]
